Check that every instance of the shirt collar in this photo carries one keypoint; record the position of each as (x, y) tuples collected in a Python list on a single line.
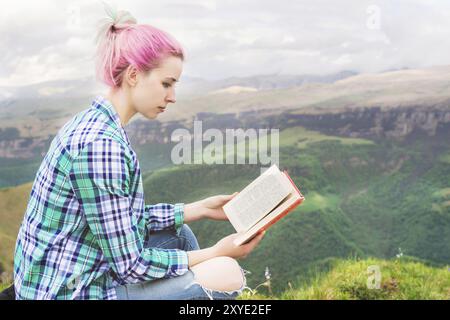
[(105, 106)]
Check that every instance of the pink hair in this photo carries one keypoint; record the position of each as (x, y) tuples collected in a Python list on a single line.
[(121, 43)]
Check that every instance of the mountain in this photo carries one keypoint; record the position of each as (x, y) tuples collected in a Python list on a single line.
[(273, 81), (38, 110), (55, 89), (37, 115), (76, 88), (403, 88), (364, 198), (370, 153)]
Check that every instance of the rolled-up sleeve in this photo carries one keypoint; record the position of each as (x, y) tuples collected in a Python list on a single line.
[(165, 216), (100, 178)]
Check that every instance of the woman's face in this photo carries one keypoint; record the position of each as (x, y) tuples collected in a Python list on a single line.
[(154, 90)]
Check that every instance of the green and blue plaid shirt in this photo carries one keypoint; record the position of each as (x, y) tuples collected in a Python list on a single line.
[(86, 225)]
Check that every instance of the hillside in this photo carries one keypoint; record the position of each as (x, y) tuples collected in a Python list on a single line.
[(388, 104), (36, 115), (404, 88), (370, 153), (364, 198), (401, 279), (13, 203)]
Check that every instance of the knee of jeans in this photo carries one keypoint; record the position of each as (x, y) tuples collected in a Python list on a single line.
[(242, 279), (228, 294), (191, 242)]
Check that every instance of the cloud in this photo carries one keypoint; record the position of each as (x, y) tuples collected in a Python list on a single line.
[(48, 91), (49, 40)]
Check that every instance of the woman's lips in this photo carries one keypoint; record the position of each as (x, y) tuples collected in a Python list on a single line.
[(162, 109)]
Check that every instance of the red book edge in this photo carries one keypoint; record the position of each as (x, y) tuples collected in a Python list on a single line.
[(289, 209)]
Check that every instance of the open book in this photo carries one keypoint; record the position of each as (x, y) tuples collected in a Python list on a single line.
[(263, 202)]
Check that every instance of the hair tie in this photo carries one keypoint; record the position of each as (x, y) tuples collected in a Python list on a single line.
[(118, 19)]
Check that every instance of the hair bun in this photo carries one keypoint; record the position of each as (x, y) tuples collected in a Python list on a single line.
[(115, 20), (118, 18)]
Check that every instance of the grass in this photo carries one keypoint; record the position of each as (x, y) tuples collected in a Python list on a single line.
[(301, 137), (298, 137), (442, 193), (355, 203), (401, 279), (13, 203), (441, 200), (445, 158), (317, 201), (4, 286)]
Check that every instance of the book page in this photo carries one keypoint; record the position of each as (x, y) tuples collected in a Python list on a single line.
[(258, 199)]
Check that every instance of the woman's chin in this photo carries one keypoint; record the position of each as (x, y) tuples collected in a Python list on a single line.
[(151, 116)]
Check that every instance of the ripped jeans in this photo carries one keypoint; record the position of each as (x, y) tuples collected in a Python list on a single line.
[(182, 287)]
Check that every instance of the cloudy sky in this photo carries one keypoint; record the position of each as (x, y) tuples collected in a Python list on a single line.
[(54, 39)]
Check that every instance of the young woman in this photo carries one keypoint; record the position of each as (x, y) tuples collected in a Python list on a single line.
[(87, 233)]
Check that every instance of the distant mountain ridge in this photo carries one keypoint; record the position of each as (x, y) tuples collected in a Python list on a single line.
[(189, 86)]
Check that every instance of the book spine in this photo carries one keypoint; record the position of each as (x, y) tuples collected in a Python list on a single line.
[(239, 241), (285, 212), (290, 179), (289, 209)]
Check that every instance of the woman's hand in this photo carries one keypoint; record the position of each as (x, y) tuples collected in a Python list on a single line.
[(226, 247), (209, 208)]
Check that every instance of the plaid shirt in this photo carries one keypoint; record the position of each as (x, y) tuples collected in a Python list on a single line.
[(86, 225)]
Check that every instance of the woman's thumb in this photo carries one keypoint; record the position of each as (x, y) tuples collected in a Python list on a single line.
[(230, 196)]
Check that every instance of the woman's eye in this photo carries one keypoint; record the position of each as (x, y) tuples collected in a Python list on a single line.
[(166, 85)]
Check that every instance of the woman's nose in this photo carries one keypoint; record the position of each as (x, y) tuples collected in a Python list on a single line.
[(171, 98)]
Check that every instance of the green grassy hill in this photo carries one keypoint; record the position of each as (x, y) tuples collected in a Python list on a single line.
[(363, 199), (13, 203), (3, 286), (402, 278)]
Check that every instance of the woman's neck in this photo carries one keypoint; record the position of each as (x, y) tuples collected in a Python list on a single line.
[(121, 104)]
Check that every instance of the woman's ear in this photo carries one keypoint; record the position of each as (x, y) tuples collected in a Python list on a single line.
[(131, 76)]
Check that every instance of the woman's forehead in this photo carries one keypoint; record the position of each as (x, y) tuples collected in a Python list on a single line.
[(171, 65)]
